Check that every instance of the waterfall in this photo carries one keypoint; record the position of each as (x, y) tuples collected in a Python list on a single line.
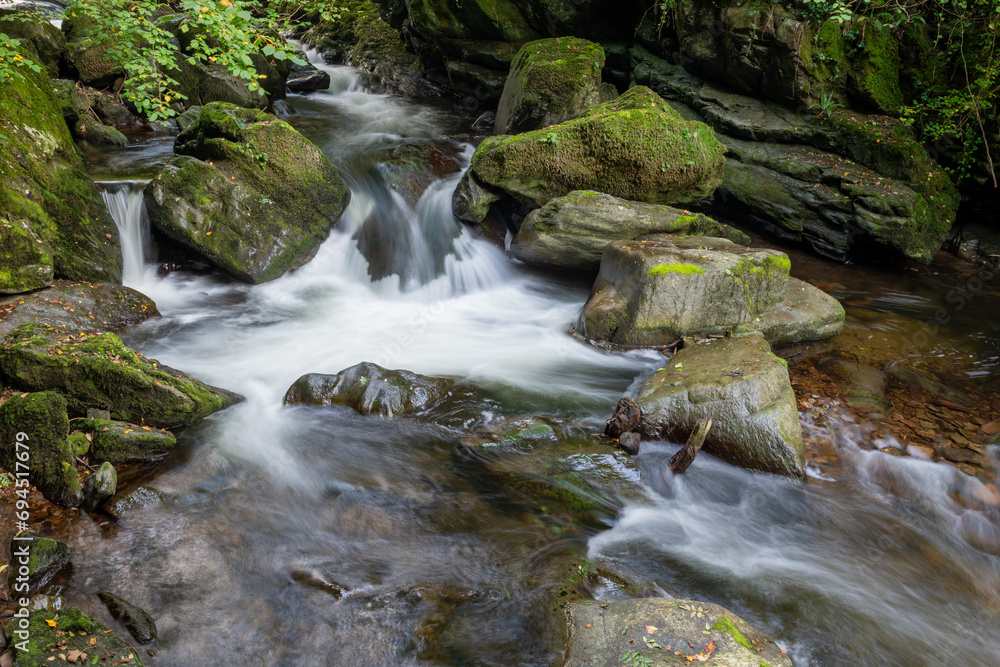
[(125, 203)]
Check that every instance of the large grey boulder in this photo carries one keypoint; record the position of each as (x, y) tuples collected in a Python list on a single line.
[(655, 289), (743, 388), (370, 389), (247, 192), (665, 631), (550, 81), (571, 232), (81, 306)]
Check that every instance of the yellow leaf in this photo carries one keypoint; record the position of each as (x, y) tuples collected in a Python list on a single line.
[(128, 430), (146, 428), (208, 233), (52, 624)]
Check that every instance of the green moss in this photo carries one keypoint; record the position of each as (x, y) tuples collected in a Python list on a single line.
[(98, 370), (725, 625), (686, 269), (76, 632), (635, 147), (44, 187), (43, 418), (79, 443), (875, 77)]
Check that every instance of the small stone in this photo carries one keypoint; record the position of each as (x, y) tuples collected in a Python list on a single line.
[(97, 413), (958, 455), (139, 623), (629, 442), (99, 487)]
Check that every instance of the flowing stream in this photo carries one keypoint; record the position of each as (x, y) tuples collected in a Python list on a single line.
[(319, 536)]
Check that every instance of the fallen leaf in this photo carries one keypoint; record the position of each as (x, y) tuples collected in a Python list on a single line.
[(651, 629), (51, 624)]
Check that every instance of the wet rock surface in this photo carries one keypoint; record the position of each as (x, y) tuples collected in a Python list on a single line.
[(370, 389), (743, 388), (139, 623)]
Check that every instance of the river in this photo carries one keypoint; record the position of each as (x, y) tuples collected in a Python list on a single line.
[(318, 536)]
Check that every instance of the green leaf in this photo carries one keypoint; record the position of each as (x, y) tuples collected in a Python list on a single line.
[(245, 15), (297, 60), (269, 50), (280, 55)]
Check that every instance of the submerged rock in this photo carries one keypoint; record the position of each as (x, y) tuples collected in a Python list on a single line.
[(550, 81), (635, 147), (863, 385), (370, 389), (98, 370), (139, 623), (46, 557), (99, 487), (247, 192), (571, 232), (121, 504), (81, 306), (74, 633), (686, 632), (55, 221), (658, 288), (120, 442), (42, 418), (743, 388), (580, 476)]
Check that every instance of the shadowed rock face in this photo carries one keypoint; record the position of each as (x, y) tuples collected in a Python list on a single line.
[(370, 389), (743, 388), (247, 192)]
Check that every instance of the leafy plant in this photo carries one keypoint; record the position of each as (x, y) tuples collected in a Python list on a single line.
[(826, 104), (635, 659), (12, 62)]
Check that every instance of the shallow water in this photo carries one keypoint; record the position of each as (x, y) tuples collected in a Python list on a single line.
[(318, 536)]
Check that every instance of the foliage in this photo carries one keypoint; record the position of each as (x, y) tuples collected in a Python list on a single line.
[(227, 33), (962, 85), (826, 104), (11, 60)]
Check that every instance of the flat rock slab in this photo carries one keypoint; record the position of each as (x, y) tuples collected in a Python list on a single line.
[(653, 290), (743, 388), (571, 232), (662, 631), (120, 442), (806, 313), (78, 305)]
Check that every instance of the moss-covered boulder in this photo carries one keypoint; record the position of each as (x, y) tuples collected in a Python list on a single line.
[(35, 425), (120, 442), (370, 389), (69, 631), (26, 260), (635, 147), (45, 558), (662, 632), (96, 370), (93, 63), (79, 306), (655, 289), (571, 232), (53, 213), (550, 81), (45, 39), (247, 192), (743, 388)]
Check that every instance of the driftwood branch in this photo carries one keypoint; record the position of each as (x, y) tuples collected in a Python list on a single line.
[(680, 461)]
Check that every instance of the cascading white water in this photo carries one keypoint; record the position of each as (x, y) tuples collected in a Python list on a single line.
[(125, 202)]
